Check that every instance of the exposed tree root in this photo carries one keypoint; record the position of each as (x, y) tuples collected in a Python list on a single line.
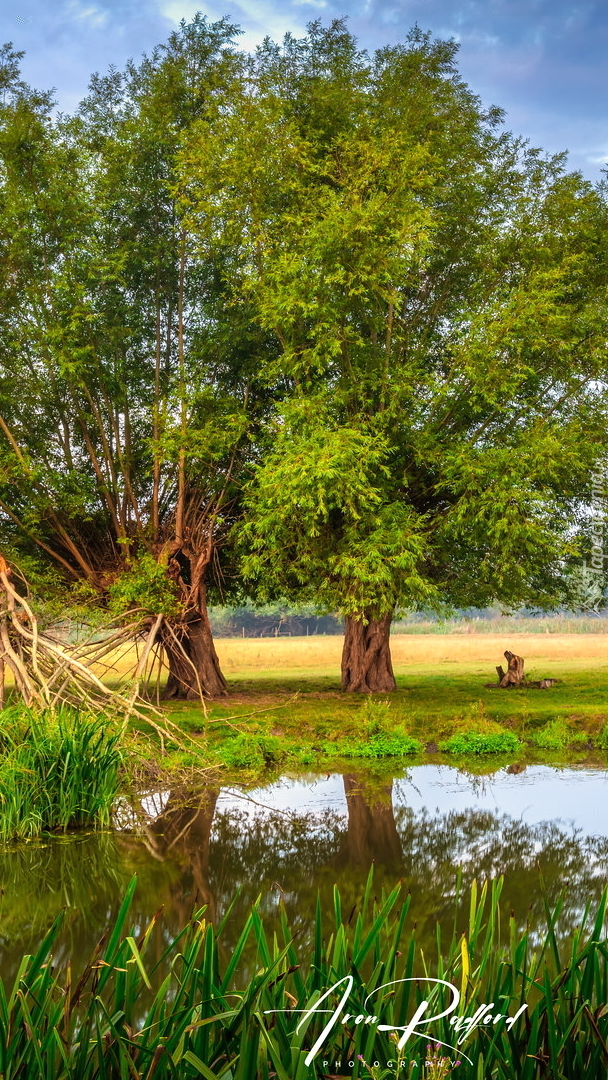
[(49, 673)]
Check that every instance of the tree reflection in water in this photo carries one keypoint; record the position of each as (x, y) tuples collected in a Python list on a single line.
[(182, 834), (191, 850)]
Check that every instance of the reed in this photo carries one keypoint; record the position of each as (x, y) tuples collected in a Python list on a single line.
[(58, 770), (187, 1010)]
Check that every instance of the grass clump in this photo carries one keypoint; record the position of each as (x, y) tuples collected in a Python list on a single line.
[(252, 751), (383, 737), (382, 744), (556, 735), (58, 770), (499, 741)]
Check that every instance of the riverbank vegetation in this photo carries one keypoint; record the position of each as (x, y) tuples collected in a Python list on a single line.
[(59, 770), (197, 1011), (285, 706)]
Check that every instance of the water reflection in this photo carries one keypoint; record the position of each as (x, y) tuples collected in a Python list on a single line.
[(294, 838)]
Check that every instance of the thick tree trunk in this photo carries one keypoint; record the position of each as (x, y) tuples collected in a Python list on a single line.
[(194, 668), (366, 655)]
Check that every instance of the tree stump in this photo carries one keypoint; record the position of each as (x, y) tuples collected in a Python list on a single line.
[(514, 675)]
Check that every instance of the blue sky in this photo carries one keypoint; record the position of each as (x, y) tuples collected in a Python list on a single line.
[(541, 60)]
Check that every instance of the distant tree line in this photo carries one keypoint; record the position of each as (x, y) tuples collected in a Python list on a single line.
[(272, 620)]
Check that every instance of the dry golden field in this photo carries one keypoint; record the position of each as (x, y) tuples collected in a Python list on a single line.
[(320, 656)]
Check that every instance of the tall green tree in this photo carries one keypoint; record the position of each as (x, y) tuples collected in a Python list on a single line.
[(125, 397), (436, 289)]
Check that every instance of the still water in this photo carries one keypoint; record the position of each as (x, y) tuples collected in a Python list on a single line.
[(544, 828)]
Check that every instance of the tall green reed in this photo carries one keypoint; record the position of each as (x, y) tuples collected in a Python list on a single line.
[(145, 1011), (58, 770)]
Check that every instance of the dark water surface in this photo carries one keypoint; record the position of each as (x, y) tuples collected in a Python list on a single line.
[(300, 835)]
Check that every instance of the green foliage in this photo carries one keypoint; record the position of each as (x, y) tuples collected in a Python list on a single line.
[(601, 739), (305, 756), (330, 474), (201, 1012), (556, 735), (59, 770), (252, 751), (144, 584), (132, 379), (482, 742), (314, 300), (383, 737), (382, 744), (428, 281)]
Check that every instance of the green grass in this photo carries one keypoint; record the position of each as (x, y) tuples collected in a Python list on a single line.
[(287, 689), (482, 742), (558, 734), (430, 700), (328, 730), (59, 769), (382, 744), (191, 1010), (252, 751)]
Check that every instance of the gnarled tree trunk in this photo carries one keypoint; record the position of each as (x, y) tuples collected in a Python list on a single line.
[(194, 667), (366, 655)]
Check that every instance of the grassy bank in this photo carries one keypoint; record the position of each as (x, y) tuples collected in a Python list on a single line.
[(285, 708), (196, 1011)]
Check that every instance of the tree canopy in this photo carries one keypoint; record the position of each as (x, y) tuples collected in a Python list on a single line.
[(436, 288), (318, 303), (125, 395)]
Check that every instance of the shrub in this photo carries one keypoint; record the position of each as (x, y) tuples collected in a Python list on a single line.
[(382, 744), (482, 742), (601, 740), (252, 751)]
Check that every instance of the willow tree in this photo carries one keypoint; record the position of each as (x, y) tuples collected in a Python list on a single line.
[(125, 397), (434, 287)]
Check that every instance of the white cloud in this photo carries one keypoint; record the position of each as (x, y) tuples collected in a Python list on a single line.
[(86, 13), (257, 18), (176, 10)]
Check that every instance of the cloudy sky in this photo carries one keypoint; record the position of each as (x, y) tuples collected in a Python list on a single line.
[(541, 60)]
